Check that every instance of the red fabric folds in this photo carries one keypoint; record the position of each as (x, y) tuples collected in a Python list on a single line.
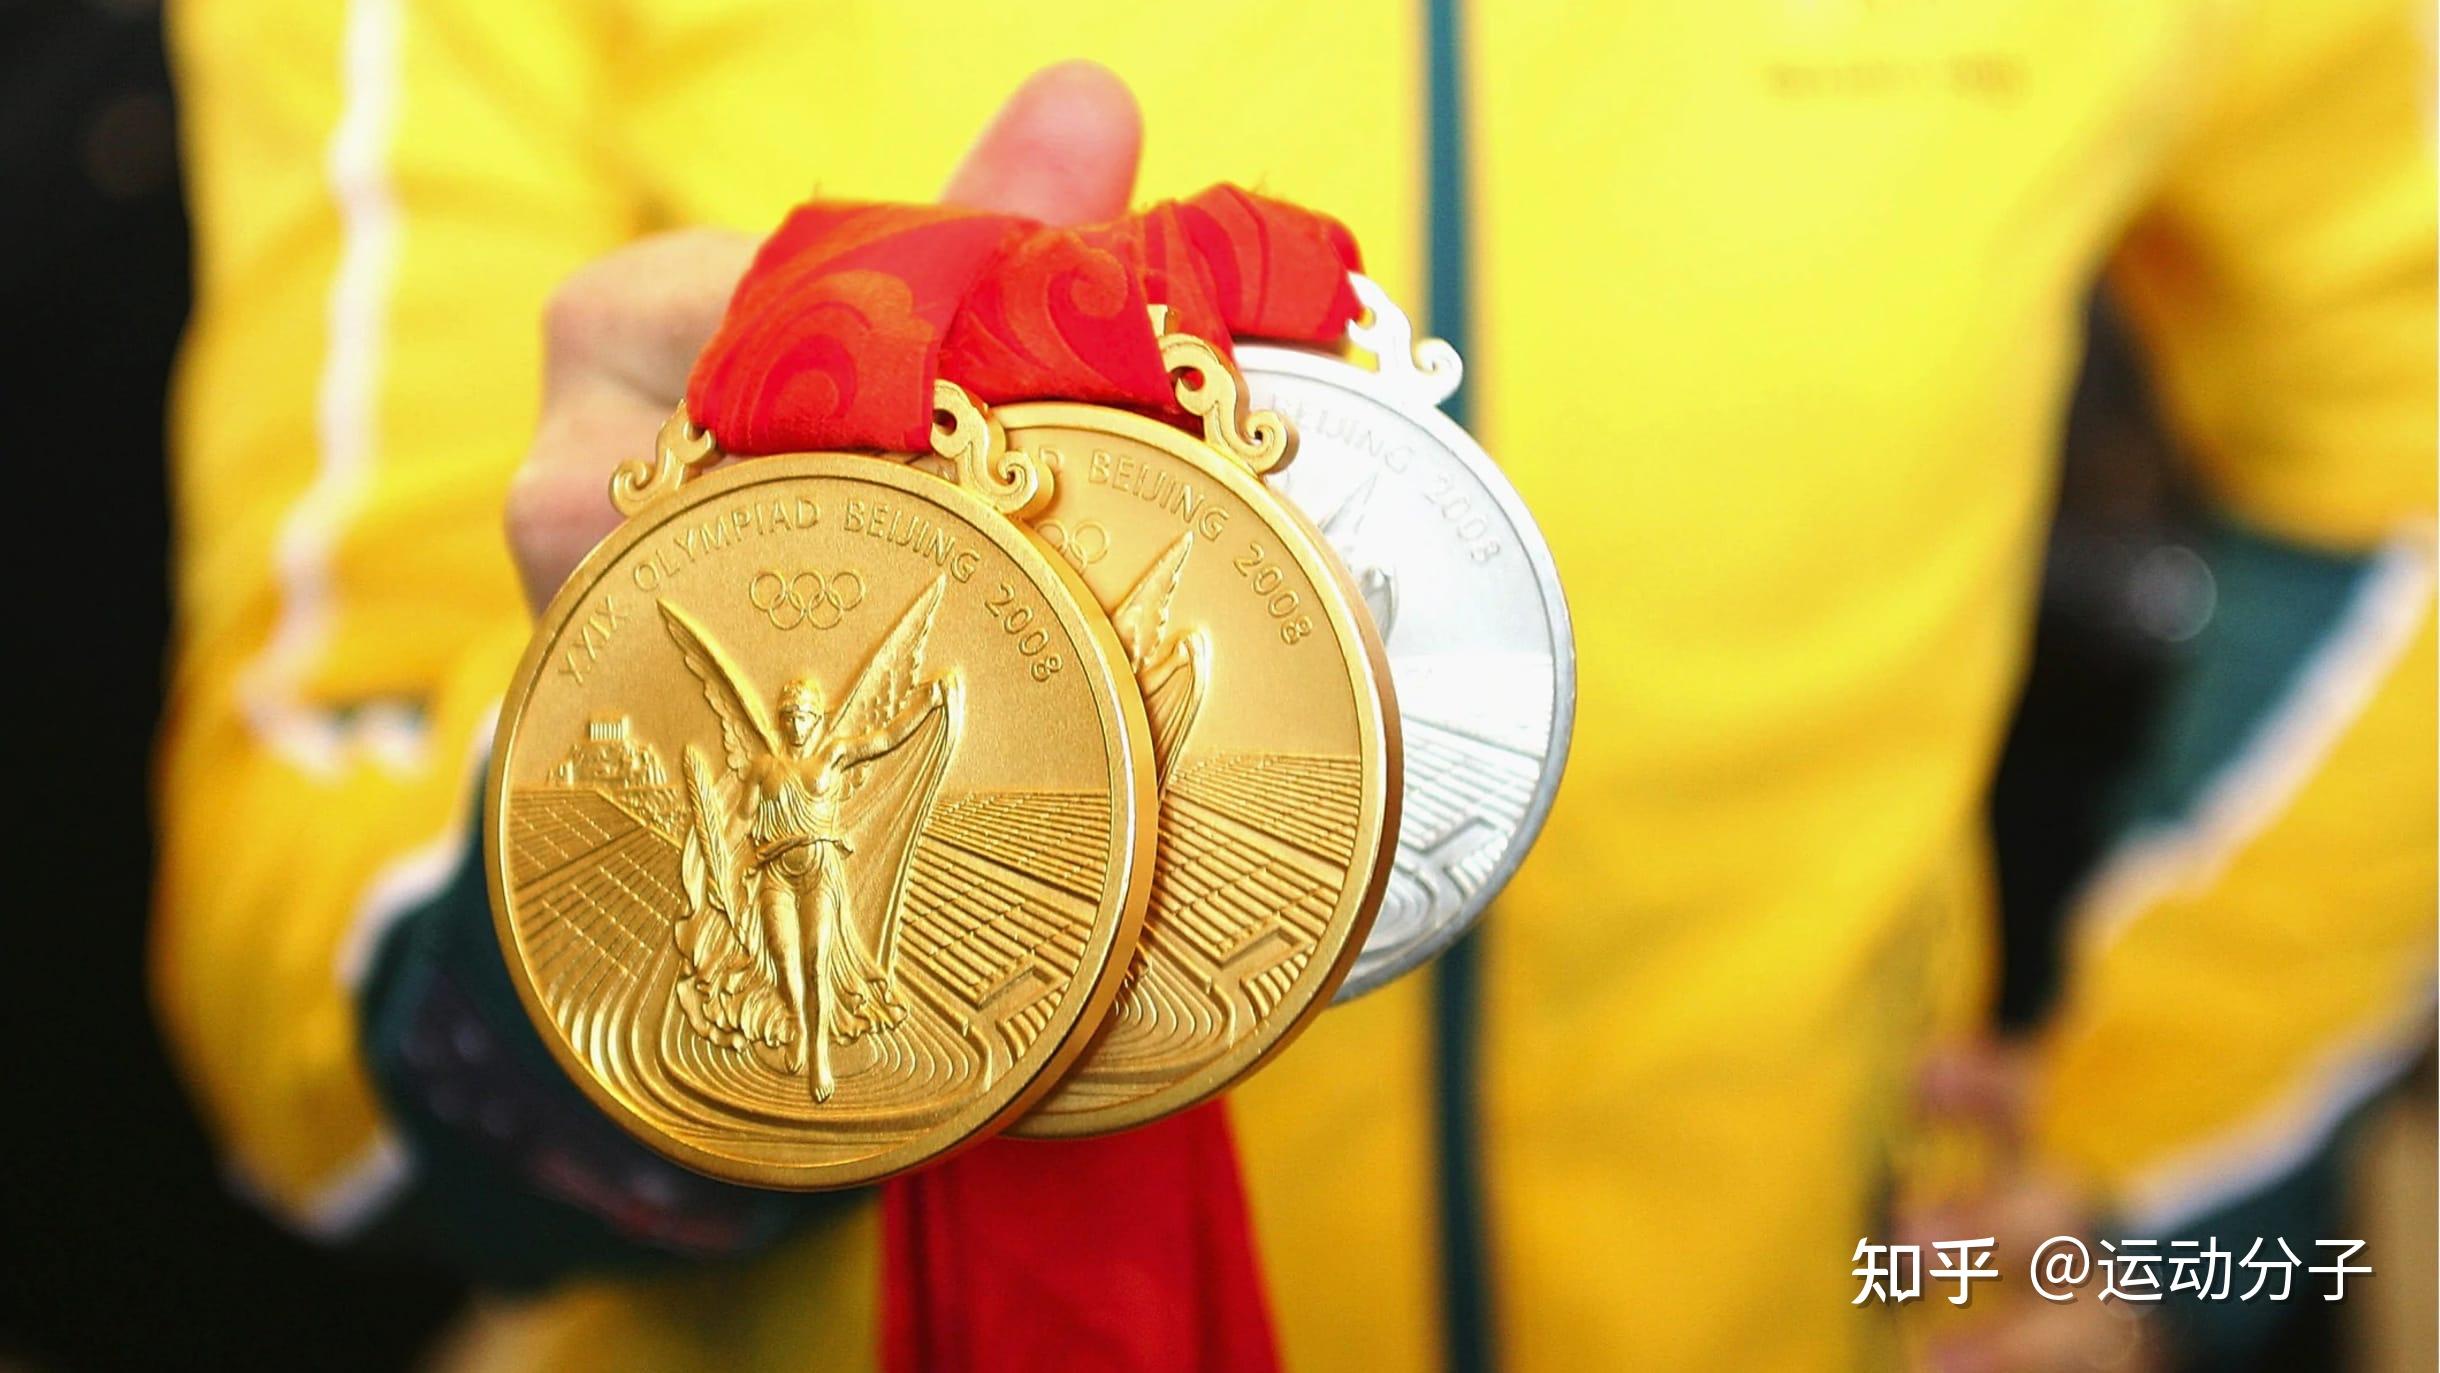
[(832, 338), (1061, 313), (849, 312), (1129, 1252), (1273, 270)]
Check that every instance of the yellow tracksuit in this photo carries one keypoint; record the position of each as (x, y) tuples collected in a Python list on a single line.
[(1773, 305)]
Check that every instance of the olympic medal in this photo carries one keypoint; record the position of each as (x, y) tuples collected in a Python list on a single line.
[(820, 817), (1274, 732), (1462, 588)]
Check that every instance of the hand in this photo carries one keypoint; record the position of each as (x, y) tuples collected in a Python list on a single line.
[(1982, 1088), (621, 335)]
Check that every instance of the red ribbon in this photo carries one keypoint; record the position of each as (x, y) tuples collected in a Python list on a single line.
[(1131, 1252), (832, 337), (849, 312)]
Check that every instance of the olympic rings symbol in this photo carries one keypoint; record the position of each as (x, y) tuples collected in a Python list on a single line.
[(808, 598), (1083, 546)]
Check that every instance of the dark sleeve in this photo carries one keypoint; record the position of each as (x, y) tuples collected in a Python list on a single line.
[(517, 1178)]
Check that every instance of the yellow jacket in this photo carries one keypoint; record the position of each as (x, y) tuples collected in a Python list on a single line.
[(1773, 305)]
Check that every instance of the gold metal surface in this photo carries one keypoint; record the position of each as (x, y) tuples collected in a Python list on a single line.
[(680, 450), (1209, 387), (1273, 727), (821, 812)]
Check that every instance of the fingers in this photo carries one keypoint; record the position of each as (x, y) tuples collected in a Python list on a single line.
[(1981, 1089), (621, 335), (1975, 1080), (638, 317), (2042, 1338), (1978, 1090), (619, 338), (2018, 1212), (559, 504), (1063, 149), (1978, 1085)]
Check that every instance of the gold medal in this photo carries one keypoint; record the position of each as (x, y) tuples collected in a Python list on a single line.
[(1273, 727), (821, 809)]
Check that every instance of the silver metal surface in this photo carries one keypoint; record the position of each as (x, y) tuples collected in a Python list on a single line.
[(1461, 585)]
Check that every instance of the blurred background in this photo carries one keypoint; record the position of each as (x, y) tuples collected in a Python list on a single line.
[(123, 1245)]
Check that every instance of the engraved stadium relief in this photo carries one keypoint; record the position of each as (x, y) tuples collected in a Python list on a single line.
[(800, 924), (1253, 850), (1468, 782), (1248, 871), (1466, 794)]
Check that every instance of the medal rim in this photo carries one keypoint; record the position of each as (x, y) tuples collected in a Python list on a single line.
[(1330, 369), (1127, 742), (1377, 715)]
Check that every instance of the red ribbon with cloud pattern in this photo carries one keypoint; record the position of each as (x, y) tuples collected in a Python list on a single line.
[(849, 312)]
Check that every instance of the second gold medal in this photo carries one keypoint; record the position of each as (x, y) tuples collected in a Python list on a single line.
[(1275, 736)]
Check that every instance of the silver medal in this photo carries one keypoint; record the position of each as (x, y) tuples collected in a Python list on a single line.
[(1461, 585)]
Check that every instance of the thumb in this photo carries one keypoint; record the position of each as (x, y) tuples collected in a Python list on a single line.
[(1981, 1088), (1974, 1081), (1062, 150)]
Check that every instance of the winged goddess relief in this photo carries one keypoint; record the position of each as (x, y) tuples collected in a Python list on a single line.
[(795, 860), (1172, 670), (1343, 528)]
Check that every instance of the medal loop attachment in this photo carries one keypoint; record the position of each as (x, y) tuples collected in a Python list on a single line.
[(1013, 482), (682, 448), (965, 434), (1208, 385), (1428, 369)]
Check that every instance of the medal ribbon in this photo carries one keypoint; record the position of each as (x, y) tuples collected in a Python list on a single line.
[(1130, 1253), (1133, 1251), (849, 312)]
